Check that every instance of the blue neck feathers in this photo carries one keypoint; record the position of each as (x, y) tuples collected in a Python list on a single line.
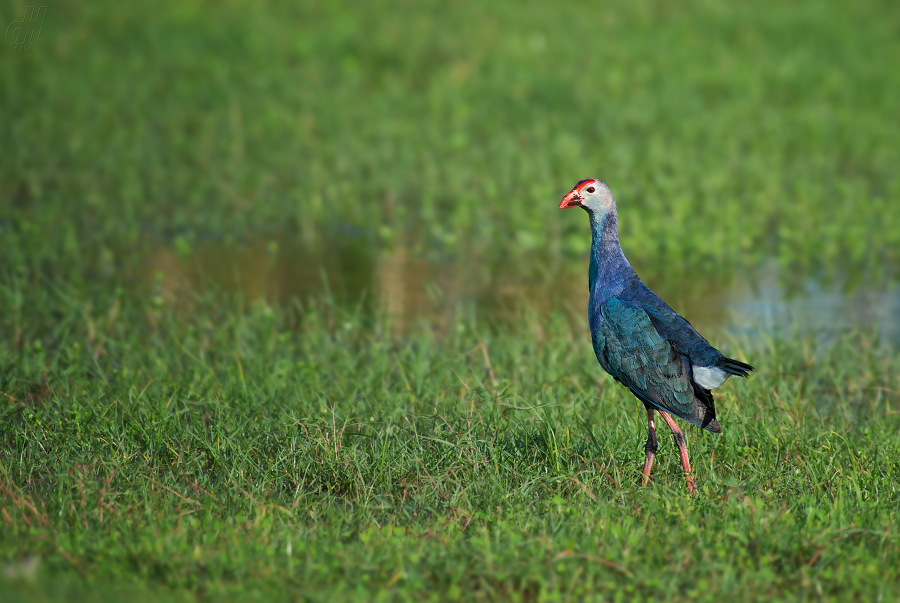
[(609, 271)]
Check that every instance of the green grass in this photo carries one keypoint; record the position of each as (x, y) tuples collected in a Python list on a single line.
[(255, 454), (161, 441), (728, 134)]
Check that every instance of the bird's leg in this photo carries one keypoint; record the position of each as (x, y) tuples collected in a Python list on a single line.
[(678, 435), (650, 447)]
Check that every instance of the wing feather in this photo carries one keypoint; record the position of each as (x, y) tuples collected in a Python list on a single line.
[(631, 349)]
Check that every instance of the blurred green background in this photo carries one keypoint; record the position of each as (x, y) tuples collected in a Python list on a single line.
[(288, 310), (414, 153)]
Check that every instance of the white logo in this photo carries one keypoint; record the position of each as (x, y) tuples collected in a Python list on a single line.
[(24, 34)]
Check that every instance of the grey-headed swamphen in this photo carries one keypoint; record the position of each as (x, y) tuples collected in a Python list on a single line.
[(641, 341)]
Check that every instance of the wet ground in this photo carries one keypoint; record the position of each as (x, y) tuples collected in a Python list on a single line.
[(412, 284)]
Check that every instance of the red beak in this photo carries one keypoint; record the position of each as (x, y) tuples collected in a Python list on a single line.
[(572, 199)]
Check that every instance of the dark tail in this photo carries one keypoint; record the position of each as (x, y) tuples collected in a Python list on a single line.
[(706, 410), (734, 367)]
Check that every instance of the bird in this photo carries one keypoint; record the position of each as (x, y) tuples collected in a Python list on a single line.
[(641, 342)]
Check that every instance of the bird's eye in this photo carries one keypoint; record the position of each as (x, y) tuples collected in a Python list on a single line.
[(590, 189)]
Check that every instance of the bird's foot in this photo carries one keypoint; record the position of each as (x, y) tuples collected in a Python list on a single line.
[(692, 489)]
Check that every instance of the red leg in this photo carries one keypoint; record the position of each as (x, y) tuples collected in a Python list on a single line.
[(650, 447), (678, 435)]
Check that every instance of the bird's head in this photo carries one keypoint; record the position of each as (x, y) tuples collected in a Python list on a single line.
[(592, 195)]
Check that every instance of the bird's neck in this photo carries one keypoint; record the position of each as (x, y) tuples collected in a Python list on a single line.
[(609, 269)]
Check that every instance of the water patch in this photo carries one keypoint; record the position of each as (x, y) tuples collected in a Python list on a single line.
[(414, 284), (775, 302)]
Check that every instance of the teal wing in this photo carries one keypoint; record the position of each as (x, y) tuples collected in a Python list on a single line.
[(630, 348)]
